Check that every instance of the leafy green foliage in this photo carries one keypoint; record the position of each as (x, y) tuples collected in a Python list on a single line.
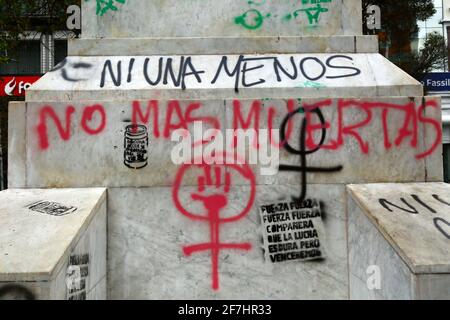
[(432, 56), (399, 26), (402, 15)]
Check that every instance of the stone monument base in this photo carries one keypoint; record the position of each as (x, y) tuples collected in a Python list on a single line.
[(53, 244), (399, 236)]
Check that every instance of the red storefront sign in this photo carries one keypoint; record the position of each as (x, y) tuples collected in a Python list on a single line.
[(15, 86)]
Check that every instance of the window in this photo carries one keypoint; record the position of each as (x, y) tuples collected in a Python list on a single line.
[(60, 51), (25, 59)]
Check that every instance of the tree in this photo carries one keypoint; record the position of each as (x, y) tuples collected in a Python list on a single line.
[(19, 17), (399, 20), (432, 56), (399, 26)]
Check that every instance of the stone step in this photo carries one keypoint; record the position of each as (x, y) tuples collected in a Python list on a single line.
[(223, 45), (399, 236), (331, 75), (53, 244)]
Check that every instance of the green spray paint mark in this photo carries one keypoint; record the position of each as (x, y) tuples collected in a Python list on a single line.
[(312, 13), (103, 6), (251, 20), (312, 84), (256, 2), (300, 110), (287, 17)]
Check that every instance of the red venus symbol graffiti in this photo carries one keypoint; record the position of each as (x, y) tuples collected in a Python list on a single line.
[(214, 185)]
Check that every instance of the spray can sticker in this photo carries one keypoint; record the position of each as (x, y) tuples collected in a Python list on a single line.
[(52, 208), (136, 146)]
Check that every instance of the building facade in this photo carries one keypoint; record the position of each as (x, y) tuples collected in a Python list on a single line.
[(440, 23), (35, 54)]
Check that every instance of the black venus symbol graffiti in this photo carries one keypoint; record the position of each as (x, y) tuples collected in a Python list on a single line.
[(302, 151)]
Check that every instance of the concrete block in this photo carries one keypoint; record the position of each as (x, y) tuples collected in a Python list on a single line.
[(314, 75), (432, 286), (208, 18), (108, 168), (228, 45), (399, 153), (17, 115), (367, 44), (53, 244), (352, 21), (371, 256), (386, 80), (147, 234), (374, 152), (403, 231), (358, 288), (433, 165)]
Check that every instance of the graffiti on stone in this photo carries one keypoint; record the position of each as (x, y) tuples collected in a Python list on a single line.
[(292, 231), (105, 6), (52, 208), (76, 277)]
